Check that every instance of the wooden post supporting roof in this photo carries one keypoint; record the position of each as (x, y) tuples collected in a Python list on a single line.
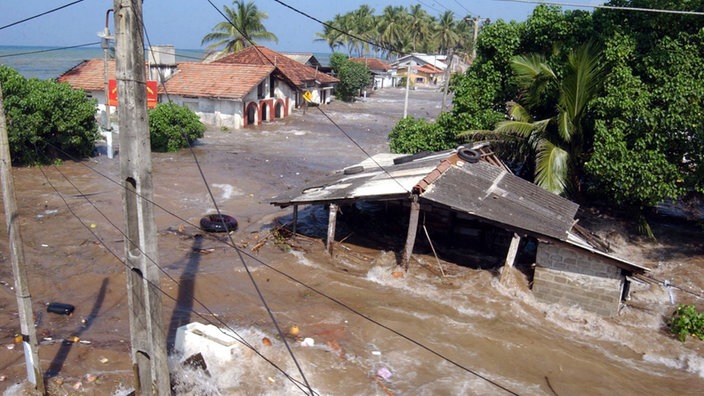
[(412, 230), (148, 338), (510, 258), (331, 228)]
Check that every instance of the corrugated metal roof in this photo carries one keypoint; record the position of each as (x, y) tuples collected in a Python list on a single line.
[(479, 189), (491, 193)]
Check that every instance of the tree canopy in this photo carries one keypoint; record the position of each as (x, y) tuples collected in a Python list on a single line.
[(397, 29), (244, 27), (46, 120), (640, 129)]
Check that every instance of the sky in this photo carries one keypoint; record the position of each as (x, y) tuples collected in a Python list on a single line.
[(183, 23)]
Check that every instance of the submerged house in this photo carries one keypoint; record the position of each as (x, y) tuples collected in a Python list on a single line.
[(227, 95), (291, 78), (465, 189), (383, 74)]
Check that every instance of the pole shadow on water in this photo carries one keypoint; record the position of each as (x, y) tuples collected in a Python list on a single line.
[(181, 313), (61, 355)]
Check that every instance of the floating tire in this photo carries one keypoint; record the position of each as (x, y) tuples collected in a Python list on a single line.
[(469, 155), (412, 157), (218, 223)]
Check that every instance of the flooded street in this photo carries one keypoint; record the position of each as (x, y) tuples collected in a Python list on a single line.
[(375, 330)]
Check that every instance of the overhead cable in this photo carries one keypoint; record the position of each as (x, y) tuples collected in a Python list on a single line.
[(42, 14), (656, 10)]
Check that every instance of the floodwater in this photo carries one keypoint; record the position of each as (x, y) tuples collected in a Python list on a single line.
[(375, 330)]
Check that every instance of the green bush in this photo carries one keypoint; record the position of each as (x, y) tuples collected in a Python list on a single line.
[(687, 321), (172, 127), (411, 135), (46, 120)]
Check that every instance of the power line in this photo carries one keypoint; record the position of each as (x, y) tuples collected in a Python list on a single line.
[(239, 338), (656, 10), (42, 14), (50, 50)]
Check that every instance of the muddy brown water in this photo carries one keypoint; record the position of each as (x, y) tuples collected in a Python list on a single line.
[(376, 331)]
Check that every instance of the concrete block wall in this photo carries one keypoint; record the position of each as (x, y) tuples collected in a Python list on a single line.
[(571, 276)]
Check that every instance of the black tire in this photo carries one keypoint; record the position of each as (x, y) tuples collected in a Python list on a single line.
[(353, 170), (412, 157), (469, 155), (218, 223)]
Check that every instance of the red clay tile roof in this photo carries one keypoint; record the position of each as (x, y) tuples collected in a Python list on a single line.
[(299, 74), (89, 75), (430, 69), (219, 80), (372, 63)]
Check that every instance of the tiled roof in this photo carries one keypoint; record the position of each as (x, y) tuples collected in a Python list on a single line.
[(372, 63), (297, 73), (89, 75), (430, 69), (218, 80)]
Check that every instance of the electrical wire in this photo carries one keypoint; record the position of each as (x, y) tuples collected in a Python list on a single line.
[(238, 337), (239, 253), (42, 14), (656, 10), (49, 50), (367, 41)]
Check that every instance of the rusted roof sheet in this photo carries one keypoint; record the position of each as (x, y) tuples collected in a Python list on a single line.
[(217, 80), (479, 189), (491, 193), (299, 74), (89, 75)]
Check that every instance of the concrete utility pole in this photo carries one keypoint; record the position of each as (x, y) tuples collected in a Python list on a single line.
[(147, 333), (24, 299)]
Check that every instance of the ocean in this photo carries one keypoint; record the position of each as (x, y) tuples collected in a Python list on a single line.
[(51, 62)]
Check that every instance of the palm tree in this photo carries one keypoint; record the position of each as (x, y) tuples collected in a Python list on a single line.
[(419, 24), (393, 27), (243, 28), (447, 32), (557, 143)]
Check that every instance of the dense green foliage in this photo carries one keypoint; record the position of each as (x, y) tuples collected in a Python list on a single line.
[(46, 120), (687, 321), (640, 129), (397, 29), (413, 135), (172, 127), (353, 77), (242, 28)]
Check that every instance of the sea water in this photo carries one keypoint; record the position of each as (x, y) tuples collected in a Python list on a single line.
[(51, 62)]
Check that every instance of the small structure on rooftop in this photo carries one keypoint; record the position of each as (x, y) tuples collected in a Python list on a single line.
[(470, 185)]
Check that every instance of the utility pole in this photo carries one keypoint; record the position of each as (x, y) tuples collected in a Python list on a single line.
[(448, 71), (409, 69), (474, 40), (24, 299), (105, 44), (149, 358)]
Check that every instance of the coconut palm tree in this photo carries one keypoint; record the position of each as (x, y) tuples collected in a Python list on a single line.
[(419, 24), (446, 32), (392, 27), (557, 143), (243, 28)]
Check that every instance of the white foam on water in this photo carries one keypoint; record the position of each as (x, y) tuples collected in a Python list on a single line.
[(302, 259), (228, 191), (688, 361)]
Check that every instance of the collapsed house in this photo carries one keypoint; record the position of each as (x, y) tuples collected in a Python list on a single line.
[(470, 185)]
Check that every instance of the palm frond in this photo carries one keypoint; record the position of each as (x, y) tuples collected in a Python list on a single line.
[(551, 167)]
